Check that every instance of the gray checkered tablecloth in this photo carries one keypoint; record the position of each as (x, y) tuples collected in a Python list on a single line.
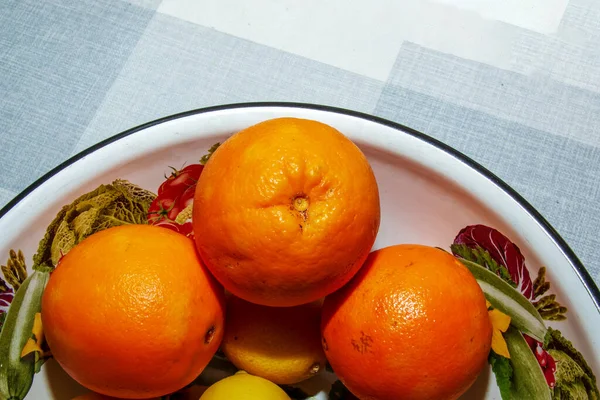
[(513, 84)]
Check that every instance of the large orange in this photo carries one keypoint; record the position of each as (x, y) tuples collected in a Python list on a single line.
[(412, 324), (131, 312), (286, 212)]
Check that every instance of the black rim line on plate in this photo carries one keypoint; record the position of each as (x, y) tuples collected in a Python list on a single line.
[(558, 240)]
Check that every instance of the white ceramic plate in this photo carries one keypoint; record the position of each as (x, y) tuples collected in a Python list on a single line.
[(429, 192)]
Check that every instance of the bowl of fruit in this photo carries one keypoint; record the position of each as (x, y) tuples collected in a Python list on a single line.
[(287, 251)]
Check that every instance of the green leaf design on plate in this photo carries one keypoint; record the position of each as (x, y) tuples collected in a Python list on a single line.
[(206, 157), (574, 377), (528, 379), (16, 373), (15, 270), (548, 307), (503, 371), (481, 256), (507, 299), (119, 203)]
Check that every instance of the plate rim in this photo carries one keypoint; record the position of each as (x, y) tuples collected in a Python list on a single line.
[(577, 265)]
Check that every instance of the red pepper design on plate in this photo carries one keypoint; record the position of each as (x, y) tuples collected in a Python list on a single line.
[(544, 359), (172, 208), (6, 297)]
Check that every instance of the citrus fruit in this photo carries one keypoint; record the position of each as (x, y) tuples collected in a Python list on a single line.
[(281, 344), (412, 324), (131, 312), (286, 211), (243, 386)]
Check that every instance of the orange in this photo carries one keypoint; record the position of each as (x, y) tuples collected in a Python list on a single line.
[(281, 344), (412, 324), (286, 211), (131, 312)]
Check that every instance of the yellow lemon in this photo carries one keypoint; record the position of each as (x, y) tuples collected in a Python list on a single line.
[(243, 386), (281, 344)]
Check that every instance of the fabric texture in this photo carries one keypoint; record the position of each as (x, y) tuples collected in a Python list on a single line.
[(523, 102)]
